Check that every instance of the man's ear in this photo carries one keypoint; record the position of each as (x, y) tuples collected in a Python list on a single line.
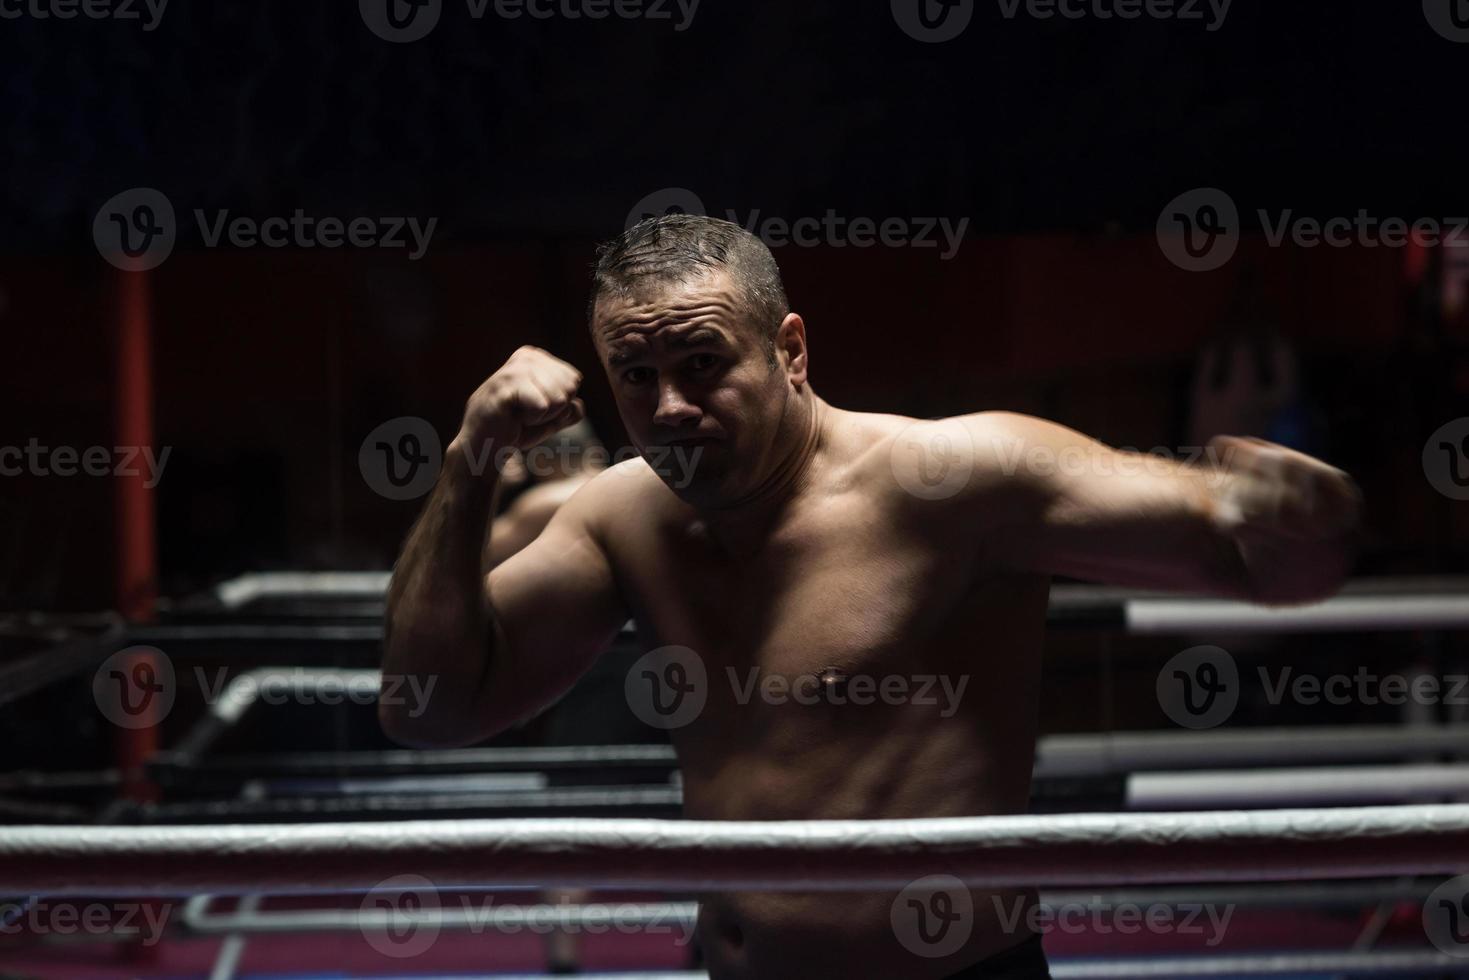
[(790, 347)]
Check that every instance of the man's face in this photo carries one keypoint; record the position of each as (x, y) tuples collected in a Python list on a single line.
[(694, 385)]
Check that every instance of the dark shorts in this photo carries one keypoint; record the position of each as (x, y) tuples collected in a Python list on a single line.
[(1026, 961)]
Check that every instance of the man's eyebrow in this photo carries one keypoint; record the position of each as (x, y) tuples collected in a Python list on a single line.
[(624, 353), (618, 356), (695, 337)]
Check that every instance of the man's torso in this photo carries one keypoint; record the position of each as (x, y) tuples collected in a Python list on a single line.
[(862, 662)]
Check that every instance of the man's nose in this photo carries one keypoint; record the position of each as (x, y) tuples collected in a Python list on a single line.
[(673, 407)]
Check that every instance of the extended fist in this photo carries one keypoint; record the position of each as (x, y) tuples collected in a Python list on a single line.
[(1271, 486), (1295, 519), (532, 396)]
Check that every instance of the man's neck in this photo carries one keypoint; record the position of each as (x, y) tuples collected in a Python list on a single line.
[(739, 527)]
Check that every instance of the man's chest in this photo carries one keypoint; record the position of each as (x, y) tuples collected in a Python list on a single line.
[(842, 593)]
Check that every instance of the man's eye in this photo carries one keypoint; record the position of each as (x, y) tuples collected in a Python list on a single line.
[(703, 362), (637, 375)]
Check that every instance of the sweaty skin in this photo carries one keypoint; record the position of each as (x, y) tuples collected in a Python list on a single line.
[(813, 542)]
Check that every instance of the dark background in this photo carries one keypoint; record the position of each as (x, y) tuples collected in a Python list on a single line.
[(1060, 141)]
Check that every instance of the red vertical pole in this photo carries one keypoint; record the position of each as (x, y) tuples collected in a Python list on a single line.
[(136, 588), (130, 300)]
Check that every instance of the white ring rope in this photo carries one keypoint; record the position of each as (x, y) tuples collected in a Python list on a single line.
[(689, 855)]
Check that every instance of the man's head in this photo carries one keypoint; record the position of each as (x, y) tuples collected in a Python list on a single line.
[(691, 323)]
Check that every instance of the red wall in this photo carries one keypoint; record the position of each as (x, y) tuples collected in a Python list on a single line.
[(290, 358)]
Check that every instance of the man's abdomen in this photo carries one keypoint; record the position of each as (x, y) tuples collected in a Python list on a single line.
[(893, 763)]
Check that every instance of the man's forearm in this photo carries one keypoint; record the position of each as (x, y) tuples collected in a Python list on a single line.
[(438, 623)]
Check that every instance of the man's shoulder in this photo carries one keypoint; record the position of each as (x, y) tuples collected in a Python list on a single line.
[(937, 458), (625, 490), (956, 479)]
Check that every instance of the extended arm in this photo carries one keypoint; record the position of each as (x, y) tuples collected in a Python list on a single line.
[(1252, 520)]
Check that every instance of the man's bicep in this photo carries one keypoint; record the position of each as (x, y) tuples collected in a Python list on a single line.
[(556, 606), (1071, 505)]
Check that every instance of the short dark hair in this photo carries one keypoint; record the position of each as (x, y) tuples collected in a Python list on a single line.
[(677, 248)]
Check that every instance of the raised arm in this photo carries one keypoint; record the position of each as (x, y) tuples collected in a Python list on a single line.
[(1250, 520), (495, 649)]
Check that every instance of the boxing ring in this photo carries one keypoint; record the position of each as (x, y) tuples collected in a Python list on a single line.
[(1332, 845), (688, 855)]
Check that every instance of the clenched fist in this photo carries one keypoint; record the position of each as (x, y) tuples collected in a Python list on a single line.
[(530, 397), (1295, 519)]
